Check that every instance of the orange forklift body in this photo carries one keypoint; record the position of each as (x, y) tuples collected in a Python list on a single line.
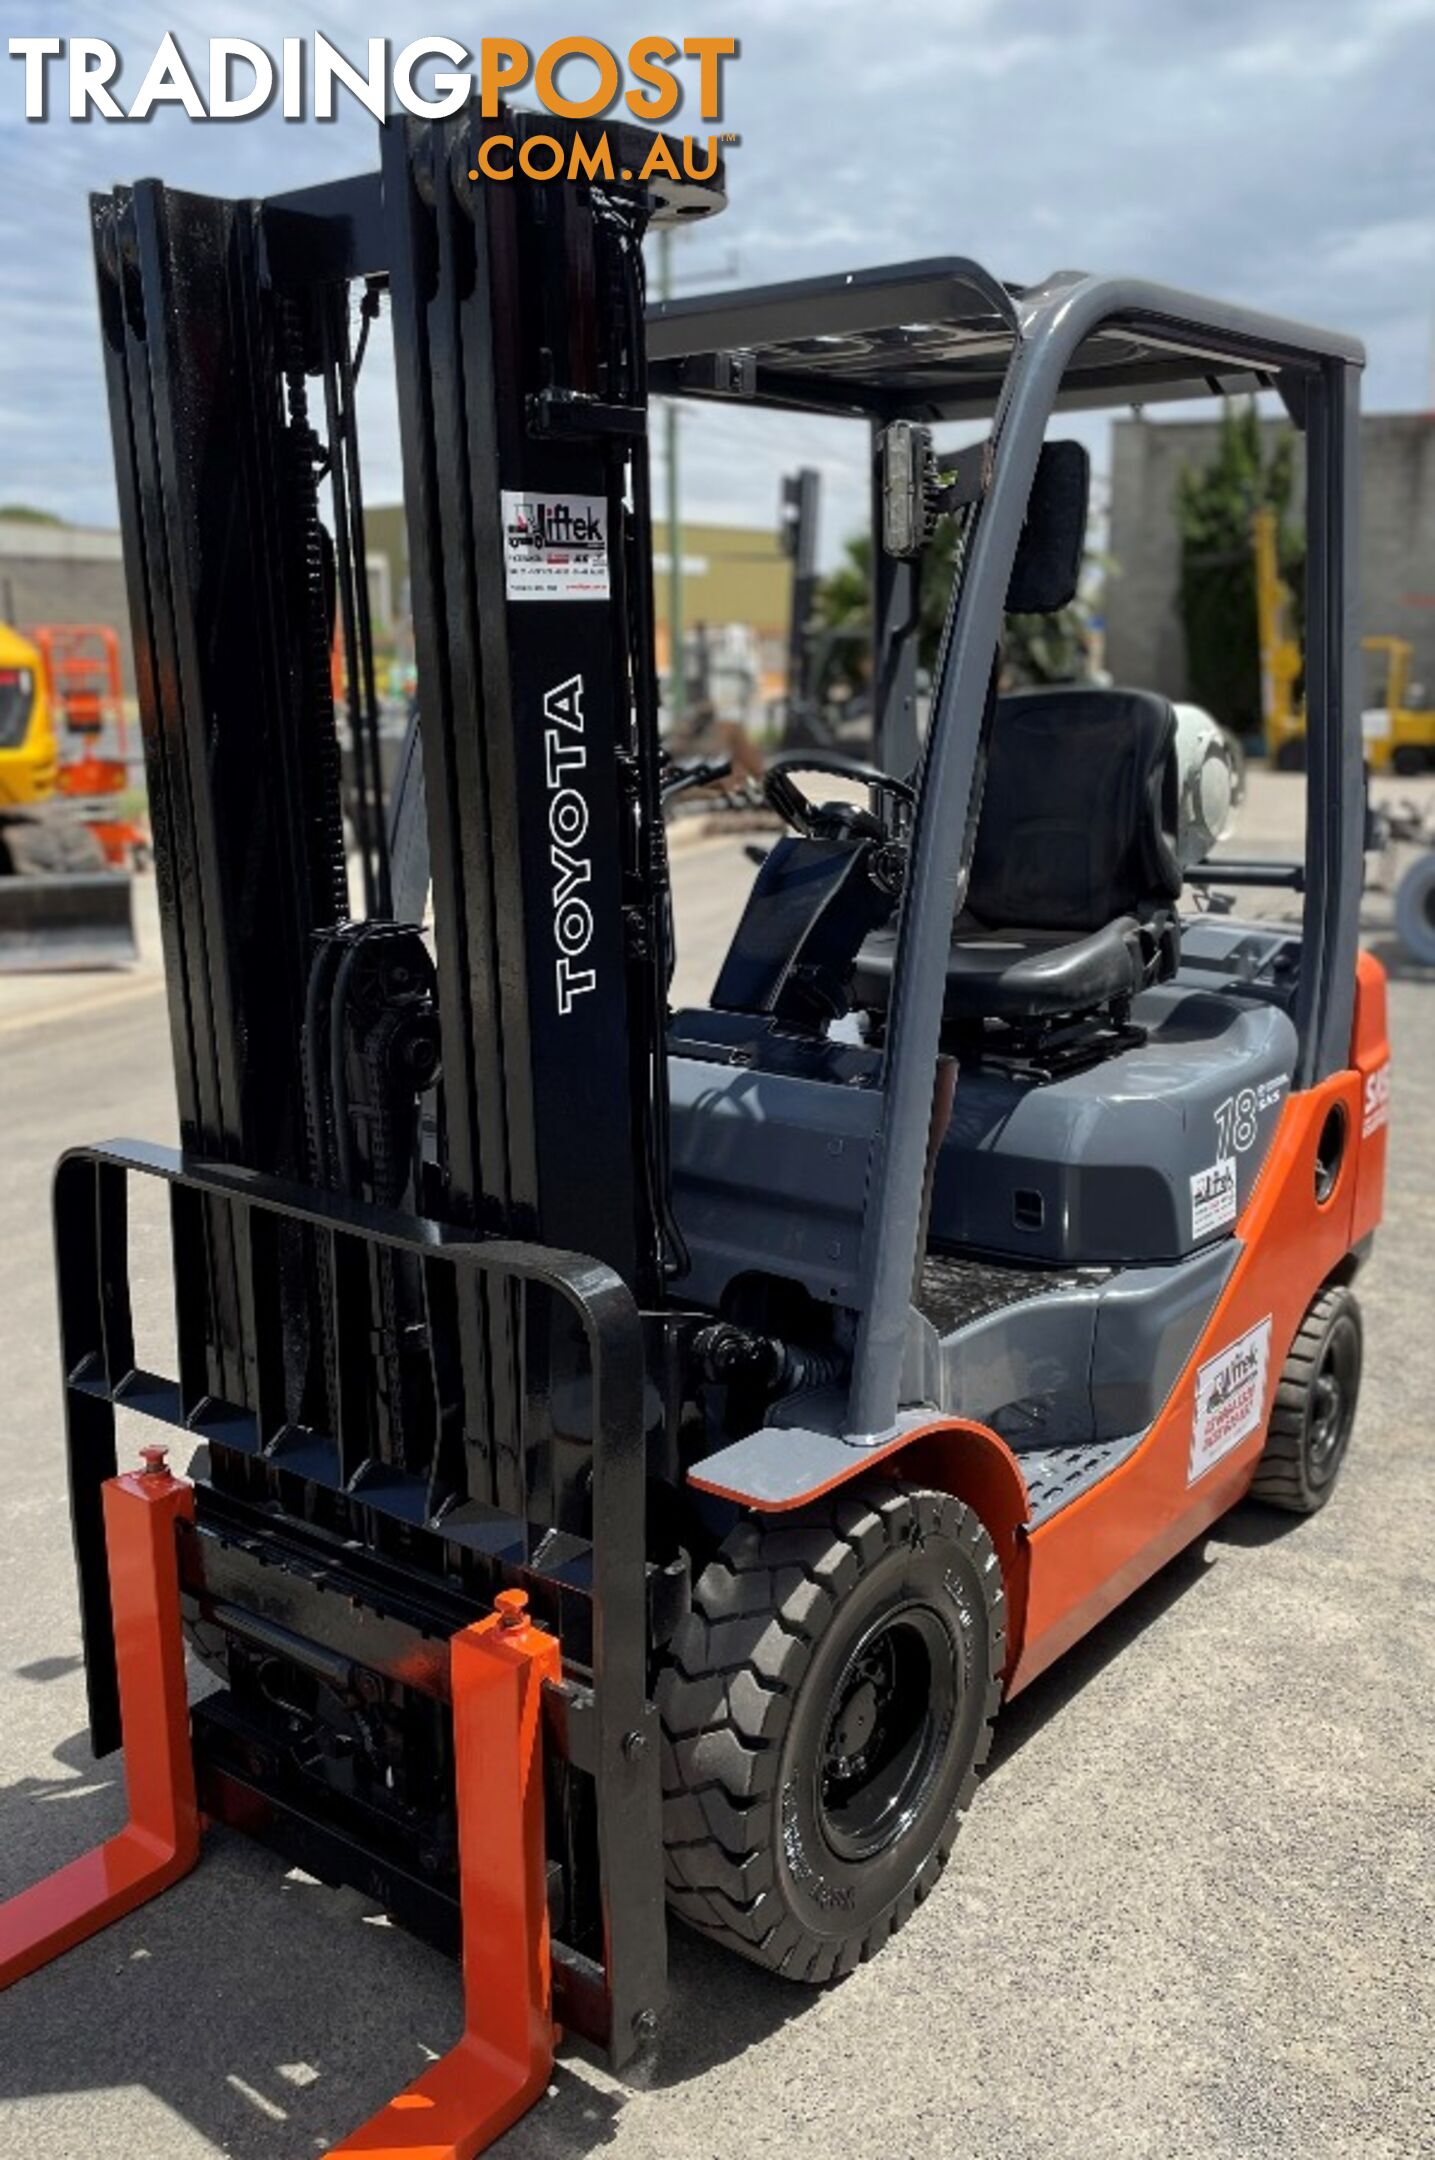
[(1067, 1574)]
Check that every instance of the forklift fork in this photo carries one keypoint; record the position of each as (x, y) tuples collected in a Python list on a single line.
[(502, 2061), (499, 1666), (160, 1842)]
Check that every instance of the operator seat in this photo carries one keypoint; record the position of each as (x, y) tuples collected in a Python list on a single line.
[(1070, 906)]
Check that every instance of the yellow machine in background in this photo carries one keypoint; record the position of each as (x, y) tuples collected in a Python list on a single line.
[(1282, 713), (29, 753), (1399, 738), (61, 905)]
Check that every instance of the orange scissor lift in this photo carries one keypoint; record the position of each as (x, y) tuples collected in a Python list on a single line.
[(82, 665)]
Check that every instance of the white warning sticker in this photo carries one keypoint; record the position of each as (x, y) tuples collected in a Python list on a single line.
[(1213, 1197), (1376, 1102), (1230, 1398), (555, 547)]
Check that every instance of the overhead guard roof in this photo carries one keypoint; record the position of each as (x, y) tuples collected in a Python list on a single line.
[(930, 340)]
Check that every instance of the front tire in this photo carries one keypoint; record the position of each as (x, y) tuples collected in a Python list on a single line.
[(826, 1707), (1315, 1404)]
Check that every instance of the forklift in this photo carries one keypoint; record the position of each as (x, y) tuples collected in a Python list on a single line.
[(823, 708), (1399, 738), (1282, 715), (627, 1456)]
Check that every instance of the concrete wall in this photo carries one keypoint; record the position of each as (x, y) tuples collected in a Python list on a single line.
[(732, 574), (76, 574), (63, 574), (1144, 640)]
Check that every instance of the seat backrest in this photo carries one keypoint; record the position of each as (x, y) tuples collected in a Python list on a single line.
[(1079, 810)]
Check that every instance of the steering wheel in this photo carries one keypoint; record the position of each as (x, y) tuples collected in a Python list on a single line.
[(830, 821)]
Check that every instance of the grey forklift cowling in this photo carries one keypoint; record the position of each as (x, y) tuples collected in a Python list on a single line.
[(1052, 322)]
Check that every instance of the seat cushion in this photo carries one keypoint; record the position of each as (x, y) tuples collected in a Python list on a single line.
[(1019, 974)]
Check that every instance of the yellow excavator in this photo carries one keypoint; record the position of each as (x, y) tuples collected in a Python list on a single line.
[(1399, 738), (61, 904)]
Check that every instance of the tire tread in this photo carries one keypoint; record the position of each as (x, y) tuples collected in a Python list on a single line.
[(726, 1693), (1280, 1479)]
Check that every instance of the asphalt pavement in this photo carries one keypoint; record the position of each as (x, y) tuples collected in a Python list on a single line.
[(1190, 1912)]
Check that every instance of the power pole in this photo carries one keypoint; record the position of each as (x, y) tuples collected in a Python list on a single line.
[(676, 683)]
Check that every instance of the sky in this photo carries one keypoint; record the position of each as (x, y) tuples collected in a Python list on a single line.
[(1280, 152)]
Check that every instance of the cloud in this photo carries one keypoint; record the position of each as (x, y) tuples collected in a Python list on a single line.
[(1276, 151)]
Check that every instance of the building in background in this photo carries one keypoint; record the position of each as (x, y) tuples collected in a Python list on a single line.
[(733, 576), (1145, 640), (56, 573)]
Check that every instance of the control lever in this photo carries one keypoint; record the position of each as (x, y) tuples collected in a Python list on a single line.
[(679, 774)]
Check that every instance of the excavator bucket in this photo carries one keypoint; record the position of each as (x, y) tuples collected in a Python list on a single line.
[(67, 921)]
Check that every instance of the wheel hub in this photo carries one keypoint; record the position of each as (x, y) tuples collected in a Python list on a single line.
[(1326, 1413), (855, 1724), (890, 1710), (1331, 1402)]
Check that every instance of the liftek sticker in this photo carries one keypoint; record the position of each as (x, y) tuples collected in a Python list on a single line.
[(555, 547), (1376, 1107), (1230, 1399), (1213, 1197)]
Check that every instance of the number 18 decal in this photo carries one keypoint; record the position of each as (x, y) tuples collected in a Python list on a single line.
[(1238, 1117)]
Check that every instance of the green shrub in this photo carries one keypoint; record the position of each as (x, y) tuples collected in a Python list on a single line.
[(1215, 503)]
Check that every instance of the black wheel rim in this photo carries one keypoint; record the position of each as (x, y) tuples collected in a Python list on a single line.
[(1332, 1402), (891, 1712)]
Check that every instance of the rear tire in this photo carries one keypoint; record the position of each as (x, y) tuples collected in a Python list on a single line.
[(1415, 910), (1315, 1406), (826, 1706)]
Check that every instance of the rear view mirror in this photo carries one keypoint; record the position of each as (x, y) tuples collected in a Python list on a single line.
[(1047, 567)]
